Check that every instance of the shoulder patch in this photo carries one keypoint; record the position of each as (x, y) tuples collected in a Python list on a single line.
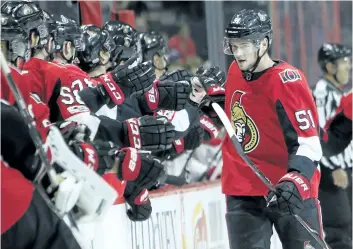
[(289, 75)]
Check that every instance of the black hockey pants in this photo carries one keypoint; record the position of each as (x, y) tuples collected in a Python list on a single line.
[(39, 228), (250, 223), (336, 211)]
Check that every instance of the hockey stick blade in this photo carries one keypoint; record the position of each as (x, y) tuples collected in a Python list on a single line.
[(228, 126)]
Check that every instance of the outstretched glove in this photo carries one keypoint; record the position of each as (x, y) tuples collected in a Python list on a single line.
[(206, 90), (292, 191), (138, 200), (98, 155), (71, 130), (214, 73), (178, 75), (134, 78), (149, 133), (139, 168), (167, 95)]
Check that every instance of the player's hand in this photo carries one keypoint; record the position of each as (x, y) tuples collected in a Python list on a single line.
[(292, 190), (138, 167), (139, 202), (173, 95), (149, 133), (206, 90), (71, 130), (109, 91), (133, 78), (214, 73), (340, 178), (98, 155), (194, 138), (210, 129), (178, 75)]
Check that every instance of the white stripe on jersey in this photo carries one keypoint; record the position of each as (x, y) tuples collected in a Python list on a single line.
[(327, 99)]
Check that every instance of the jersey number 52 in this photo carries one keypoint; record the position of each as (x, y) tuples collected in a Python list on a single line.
[(70, 95)]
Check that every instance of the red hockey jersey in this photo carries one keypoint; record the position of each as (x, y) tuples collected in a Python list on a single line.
[(275, 120), (58, 86), (38, 110), (14, 199)]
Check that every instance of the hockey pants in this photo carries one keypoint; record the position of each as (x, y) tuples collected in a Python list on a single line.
[(336, 211), (250, 223), (39, 228)]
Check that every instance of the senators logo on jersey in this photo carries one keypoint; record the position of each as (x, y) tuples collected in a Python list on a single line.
[(245, 128)]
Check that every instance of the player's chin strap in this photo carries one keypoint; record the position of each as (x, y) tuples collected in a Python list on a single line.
[(228, 126)]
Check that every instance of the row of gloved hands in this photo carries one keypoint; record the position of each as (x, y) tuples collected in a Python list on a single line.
[(172, 91), (181, 87), (138, 168)]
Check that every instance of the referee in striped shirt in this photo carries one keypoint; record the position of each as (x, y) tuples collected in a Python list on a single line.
[(335, 185)]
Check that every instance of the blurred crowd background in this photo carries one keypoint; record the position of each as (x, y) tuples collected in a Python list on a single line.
[(194, 29)]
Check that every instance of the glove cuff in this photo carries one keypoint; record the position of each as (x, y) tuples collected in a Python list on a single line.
[(129, 164), (301, 183), (133, 133)]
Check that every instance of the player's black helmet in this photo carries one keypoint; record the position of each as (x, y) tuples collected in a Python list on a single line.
[(32, 19), (14, 40), (124, 37), (152, 44), (94, 40), (330, 52), (253, 25), (65, 29)]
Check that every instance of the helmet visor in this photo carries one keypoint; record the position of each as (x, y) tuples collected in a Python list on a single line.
[(236, 46)]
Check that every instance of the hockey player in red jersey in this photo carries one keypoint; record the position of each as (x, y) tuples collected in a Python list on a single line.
[(273, 114), (59, 90)]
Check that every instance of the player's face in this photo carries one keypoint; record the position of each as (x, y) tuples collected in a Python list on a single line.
[(244, 52), (344, 66)]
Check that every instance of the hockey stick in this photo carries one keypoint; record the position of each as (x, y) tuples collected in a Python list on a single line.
[(228, 126)]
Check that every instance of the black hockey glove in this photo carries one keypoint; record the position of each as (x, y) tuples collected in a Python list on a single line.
[(167, 95), (173, 95), (132, 78), (194, 138), (292, 191), (98, 155), (71, 130), (178, 75), (139, 168), (214, 73), (139, 202), (206, 90), (109, 91), (149, 133), (210, 129)]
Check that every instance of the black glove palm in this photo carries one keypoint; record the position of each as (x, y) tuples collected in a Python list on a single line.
[(134, 78)]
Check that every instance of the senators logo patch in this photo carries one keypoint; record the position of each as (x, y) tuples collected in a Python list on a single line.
[(245, 128), (290, 75)]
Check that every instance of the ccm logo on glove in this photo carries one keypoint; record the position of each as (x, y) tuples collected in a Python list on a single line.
[(131, 164), (300, 182), (134, 133), (112, 89)]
